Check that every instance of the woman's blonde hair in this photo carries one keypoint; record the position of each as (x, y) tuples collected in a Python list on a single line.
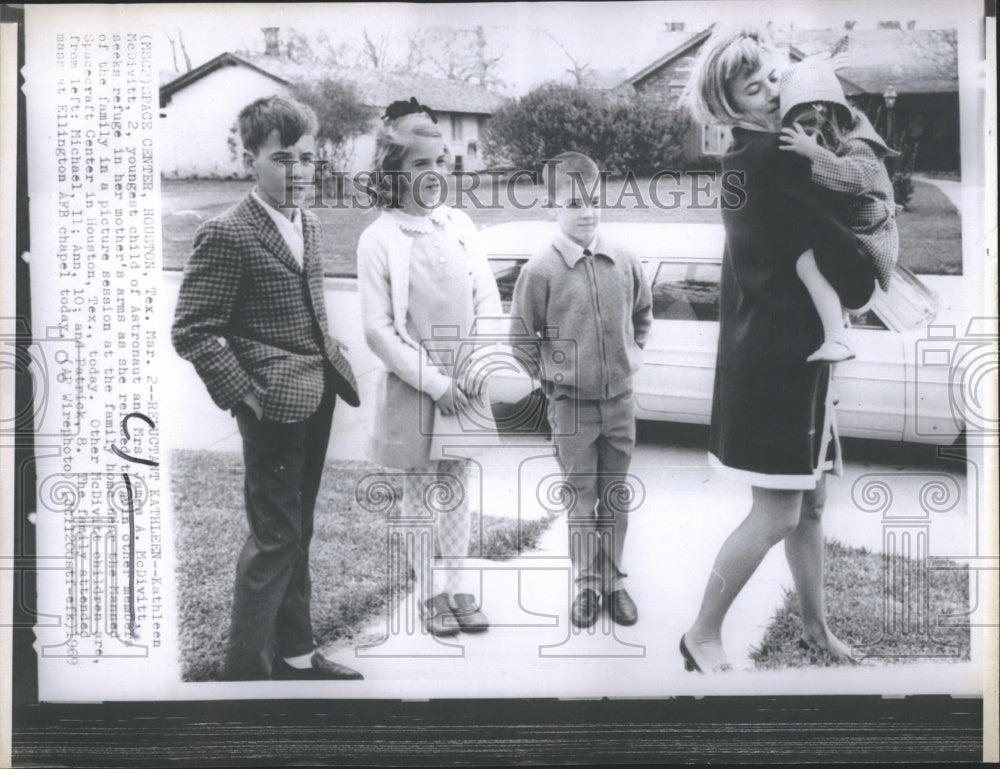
[(729, 52), (392, 142)]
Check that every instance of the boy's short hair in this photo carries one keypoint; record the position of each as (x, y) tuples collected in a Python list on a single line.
[(569, 168), (292, 119)]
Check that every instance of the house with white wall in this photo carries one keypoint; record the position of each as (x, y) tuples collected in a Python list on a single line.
[(198, 110)]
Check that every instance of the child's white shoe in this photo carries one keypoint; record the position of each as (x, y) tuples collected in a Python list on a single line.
[(831, 351)]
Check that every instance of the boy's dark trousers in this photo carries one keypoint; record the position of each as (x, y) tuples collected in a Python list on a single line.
[(283, 466)]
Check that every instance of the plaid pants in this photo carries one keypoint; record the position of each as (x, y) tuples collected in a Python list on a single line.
[(439, 494)]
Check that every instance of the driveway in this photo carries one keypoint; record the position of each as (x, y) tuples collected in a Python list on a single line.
[(684, 513)]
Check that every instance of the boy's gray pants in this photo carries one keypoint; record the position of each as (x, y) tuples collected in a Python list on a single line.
[(594, 441)]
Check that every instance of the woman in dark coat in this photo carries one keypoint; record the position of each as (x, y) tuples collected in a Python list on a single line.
[(772, 418)]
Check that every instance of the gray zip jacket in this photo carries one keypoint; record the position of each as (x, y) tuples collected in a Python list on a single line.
[(580, 318)]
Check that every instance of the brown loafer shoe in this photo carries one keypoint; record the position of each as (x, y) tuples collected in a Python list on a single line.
[(586, 608), (621, 607), (438, 617), (470, 618), (322, 670)]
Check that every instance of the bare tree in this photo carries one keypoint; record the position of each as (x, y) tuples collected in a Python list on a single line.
[(486, 63), (184, 51), (174, 43), (416, 56), (301, 47), (173, 50), (374, 52), (577, 69), (940, 47), (455, 54), (298, 46)]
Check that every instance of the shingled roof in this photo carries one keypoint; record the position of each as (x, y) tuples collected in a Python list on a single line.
[(688, 46), (910, 60), (376, 88)]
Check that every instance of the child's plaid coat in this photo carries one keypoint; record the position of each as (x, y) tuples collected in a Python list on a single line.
[(251, 319), (859, 171)]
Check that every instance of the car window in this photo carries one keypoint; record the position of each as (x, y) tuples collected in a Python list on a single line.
[(686, 291), (506, 271), (867, 319)]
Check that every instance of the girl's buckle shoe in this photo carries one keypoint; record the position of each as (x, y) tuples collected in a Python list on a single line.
[(437, 616), (470, 618)]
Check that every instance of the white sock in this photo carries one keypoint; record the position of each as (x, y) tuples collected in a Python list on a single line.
[(302, 662)]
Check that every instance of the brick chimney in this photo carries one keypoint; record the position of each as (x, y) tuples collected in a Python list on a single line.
[(270, 41)]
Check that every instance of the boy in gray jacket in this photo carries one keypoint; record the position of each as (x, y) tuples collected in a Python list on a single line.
[(581, 312)]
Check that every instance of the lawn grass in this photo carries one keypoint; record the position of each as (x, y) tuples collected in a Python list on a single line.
[(858, 605), (930, 233), (930, 230), (348, 553)]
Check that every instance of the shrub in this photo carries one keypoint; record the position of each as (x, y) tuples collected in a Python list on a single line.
[(630, 133), (902, 188), (901, 170), (341, 115)]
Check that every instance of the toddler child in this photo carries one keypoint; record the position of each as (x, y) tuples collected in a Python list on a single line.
[(845, 155)]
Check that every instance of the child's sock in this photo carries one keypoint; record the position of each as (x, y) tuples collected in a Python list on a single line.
[(301, 662), (835, 347), (833, 350)]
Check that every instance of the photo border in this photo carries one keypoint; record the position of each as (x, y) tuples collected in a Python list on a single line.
[(686, 729)]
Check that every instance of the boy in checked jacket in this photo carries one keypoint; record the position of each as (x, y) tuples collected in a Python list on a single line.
[(250, 317), (587, 308)]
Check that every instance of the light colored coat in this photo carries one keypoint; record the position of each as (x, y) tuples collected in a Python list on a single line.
[(403, 411)]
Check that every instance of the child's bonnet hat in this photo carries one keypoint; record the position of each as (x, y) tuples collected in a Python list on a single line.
[(810, 81)]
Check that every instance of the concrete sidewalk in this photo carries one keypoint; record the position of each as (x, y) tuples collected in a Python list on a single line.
[(952, 189), (683, 515)]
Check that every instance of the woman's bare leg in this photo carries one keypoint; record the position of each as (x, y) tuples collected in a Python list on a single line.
[(774, 515), (804, 551)]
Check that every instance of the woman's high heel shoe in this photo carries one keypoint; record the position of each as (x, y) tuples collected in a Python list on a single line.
[(690, 665)]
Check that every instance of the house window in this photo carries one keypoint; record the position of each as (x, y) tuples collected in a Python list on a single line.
[(459, 164), (456, 128), (715, 139)]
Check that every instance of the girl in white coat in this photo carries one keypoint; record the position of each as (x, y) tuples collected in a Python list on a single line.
[(423, 284)]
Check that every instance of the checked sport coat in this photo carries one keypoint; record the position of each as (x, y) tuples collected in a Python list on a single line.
[(251, 319)]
